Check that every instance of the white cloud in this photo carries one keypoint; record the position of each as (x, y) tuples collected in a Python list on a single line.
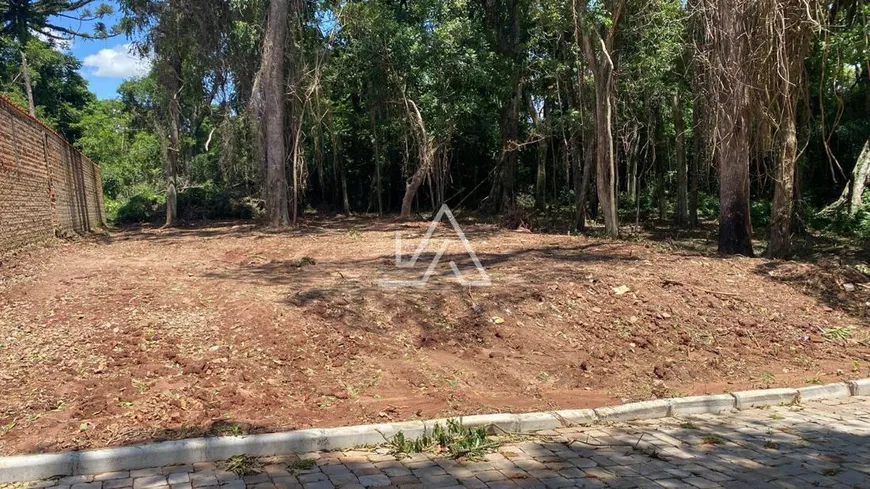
[(117, 62)]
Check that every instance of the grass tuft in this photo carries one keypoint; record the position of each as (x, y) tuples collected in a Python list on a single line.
[(243, 465), (454, 439)]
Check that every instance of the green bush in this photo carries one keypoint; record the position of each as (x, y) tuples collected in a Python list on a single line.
[(111, 207), (759, 211), (843, 224), (138, 208), (210, 202), (205, 202), (708, 206)]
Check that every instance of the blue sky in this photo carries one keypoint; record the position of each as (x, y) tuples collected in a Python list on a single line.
[(105, 62)]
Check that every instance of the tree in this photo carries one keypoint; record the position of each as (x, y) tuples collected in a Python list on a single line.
[(25, 19), (187, 39), (680, 159), (267, 102), (790, 42), (506, 27), (728, 59), (58, 89), (598, 57)]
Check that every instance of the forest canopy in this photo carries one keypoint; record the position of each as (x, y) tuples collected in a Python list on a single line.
[(557, 114)]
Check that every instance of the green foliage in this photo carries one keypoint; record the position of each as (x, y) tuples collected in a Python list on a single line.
[(24, 19), (354, 70), (59, 90), (210, 202), (760, 210), (840, 334), (138, 208), (454, 438), (843, 224), (708, 206)]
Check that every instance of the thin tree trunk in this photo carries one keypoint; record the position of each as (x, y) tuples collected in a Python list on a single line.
[(541, 173), (605, 167), (297, 168), (659, 168), (377, 155), (508, 161), (577, 166), (541, 176), (783, 194), (426, 149), (172, 155), (631, 155), (582, 147), (792, 46), (413, 186), (601, 66), (853, 192), (682, 171), (173, 152), (28, 88), (589, 156), (338, 172), (269, 100), (698, 157)]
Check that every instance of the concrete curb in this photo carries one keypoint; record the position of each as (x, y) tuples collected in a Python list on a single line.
[(859, 387), (34, 467), (764, 397)]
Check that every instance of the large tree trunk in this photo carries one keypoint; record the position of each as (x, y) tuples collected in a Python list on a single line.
[(682, 171), (271, 112), (735, 227), (503, 19), (730, 53), (28, 87)]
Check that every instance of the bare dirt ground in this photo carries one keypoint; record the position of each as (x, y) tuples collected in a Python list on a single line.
[(156, 334)]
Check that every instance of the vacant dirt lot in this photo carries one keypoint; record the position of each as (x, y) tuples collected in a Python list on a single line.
[(154, 334)]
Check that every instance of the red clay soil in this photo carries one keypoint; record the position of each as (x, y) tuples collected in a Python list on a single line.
[(160, 334)]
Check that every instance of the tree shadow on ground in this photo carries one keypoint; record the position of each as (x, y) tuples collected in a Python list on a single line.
[(839, 287), (823, 282)]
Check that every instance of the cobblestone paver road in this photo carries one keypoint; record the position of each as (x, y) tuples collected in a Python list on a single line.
[(819, 444)]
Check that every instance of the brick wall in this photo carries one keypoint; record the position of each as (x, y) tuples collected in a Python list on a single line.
[(47, 187)]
